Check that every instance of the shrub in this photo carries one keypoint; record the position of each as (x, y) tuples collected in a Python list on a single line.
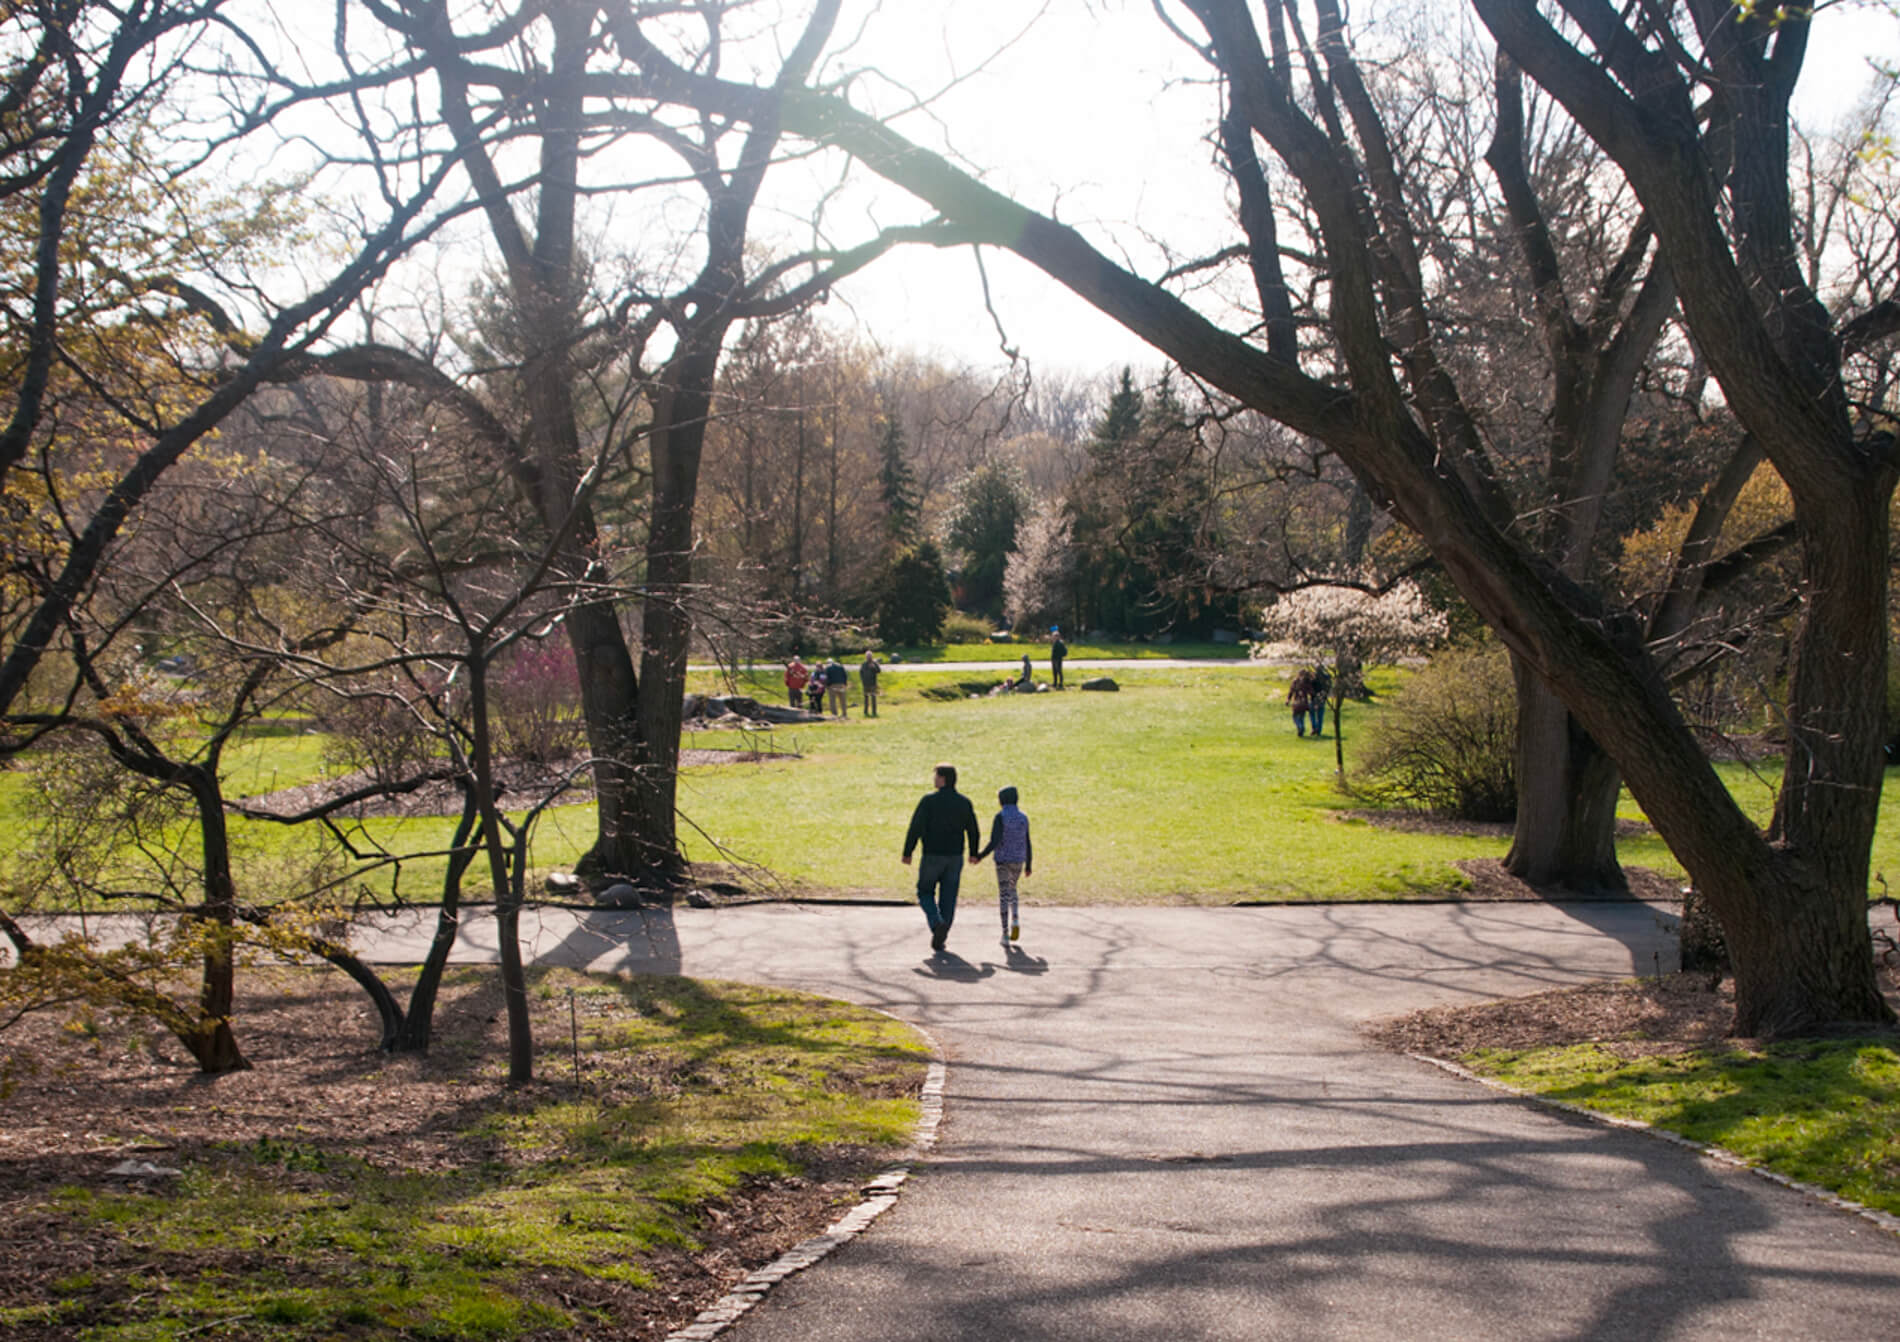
[(1448, 742), (377, 731), (961, 627), (534, 703)]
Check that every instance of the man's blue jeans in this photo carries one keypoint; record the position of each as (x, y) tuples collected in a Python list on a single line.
[(938, 876), (1316, 714)]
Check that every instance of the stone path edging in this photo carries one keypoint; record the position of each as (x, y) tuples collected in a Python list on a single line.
[(880, 1195), (1885, 1220)]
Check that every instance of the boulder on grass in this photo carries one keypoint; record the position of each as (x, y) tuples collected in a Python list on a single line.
[(1101, 683)]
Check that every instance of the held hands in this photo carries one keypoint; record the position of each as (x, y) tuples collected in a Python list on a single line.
[(975, 861), (907, 859)]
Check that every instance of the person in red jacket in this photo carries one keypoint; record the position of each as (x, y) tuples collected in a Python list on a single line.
[(796, 674)]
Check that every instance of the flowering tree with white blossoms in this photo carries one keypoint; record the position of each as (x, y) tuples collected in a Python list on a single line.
[(1039, 581), (1351, 626)]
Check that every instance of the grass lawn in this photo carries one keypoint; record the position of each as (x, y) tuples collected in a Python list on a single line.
[(1186, 786), (1038, 650), (333, 1193), (1825, 1111)]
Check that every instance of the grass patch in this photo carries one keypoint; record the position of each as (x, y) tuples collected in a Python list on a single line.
[(1038, 650), (1187, 786), (1826, 1111), (422, 1198)]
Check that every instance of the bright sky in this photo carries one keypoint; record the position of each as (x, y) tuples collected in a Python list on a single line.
[(1097, 115)]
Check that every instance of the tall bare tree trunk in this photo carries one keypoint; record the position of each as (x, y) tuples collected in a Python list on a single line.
[(215, 1045), (679, 436), (1567, 789)]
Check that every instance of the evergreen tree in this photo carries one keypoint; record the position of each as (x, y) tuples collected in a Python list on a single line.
[(1138, 517), (897, 486), (988, 505), (913, 598)]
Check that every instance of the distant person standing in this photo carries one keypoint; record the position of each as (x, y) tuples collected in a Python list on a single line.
[(1009, 840), (868, 673), (943, 823), (796, 675), (1298, 695), (1027, 682), (815, 691), (1316, 705), (837, 682), (1057, 651)]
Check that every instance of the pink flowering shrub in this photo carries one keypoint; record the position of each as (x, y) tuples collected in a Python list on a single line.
[(534, 703)]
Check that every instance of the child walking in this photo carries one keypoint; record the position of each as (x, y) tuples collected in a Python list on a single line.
[(1009, 840)]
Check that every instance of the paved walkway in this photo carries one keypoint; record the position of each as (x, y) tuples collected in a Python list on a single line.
[(1160, 1123)]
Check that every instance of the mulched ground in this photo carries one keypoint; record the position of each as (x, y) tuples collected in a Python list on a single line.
[(79, 1096), (1633, 1018)]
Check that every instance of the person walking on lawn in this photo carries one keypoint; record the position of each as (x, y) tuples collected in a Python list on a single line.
[(1316, 705), (1298, 696), (1009, 840), (944, 823)]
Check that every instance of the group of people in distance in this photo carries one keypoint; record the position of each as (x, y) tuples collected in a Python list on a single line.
[(942, 825), (810, 686), (1307, 696)]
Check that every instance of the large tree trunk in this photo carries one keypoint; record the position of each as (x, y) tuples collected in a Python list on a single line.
[(678, 438), (1565, 836), (610, 701)]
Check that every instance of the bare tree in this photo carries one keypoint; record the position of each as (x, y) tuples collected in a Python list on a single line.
[(1715, 190)]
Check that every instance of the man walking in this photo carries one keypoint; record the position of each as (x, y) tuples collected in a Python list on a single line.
[(945, 824)]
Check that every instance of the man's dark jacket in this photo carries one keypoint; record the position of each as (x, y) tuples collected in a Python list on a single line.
[(945, 821)]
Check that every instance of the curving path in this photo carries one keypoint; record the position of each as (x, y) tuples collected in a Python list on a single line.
[(1160, 1123)]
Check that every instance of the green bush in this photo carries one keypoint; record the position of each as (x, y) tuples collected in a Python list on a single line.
[(1448, 742), (962, 627)]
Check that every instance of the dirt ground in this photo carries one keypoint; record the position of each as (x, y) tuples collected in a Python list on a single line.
[(79, 1094), (1632, 1018)]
